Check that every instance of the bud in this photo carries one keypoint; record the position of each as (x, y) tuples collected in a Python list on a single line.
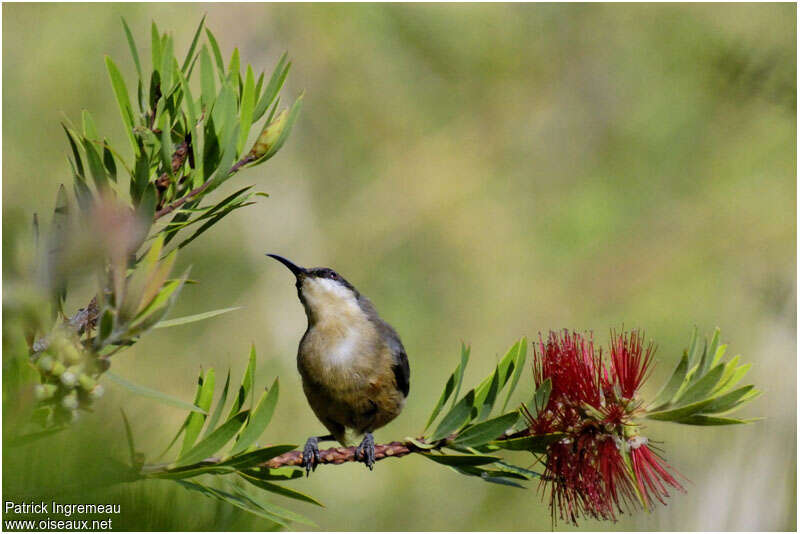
[(72, 354), (45, 363), (96, 392), (86, 381), (58, 369), (70, 401), (269, 136), (45, 391), (69, 378)]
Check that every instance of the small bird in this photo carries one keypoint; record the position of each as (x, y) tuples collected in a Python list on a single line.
[(354, 368)]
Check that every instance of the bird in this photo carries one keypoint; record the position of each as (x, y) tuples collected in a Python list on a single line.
[(352, 363)]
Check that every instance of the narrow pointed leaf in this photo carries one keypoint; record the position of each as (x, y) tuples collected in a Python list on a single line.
[(214, 442), (247, 384), (259, 420), (487, 431), (673, 384), (460, 459), (179, 321), (190, 53), (519, 364), (457, 417), (151, 393), (536, 444), (258, 457), (194, 424), (217, 414), (279, 489)]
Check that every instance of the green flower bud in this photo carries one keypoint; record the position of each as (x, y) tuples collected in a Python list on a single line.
[(45, 391), (58, 369), (72, 354), (86, 382), (45, 363), (69, 378), (96, 392), (70, 401), (269, 136)]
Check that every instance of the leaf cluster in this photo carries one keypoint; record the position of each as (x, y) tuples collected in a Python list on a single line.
[(225, 441), (703, 388), (134, 213)]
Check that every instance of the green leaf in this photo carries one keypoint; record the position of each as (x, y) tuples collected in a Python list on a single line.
[(536, 444), (246, 109), (190, 471), (494, 477), (123, 101), (89, 128), (710, 353), (457, 417), (726, 402), (702, 388), (212, 423), (707, 420), (484, 399), (677, 414), (450, 386), (482, 433), (191, 106), (233, 69), (179, 321), (214, 442), (75, 153), (189, 54), (96, 168), (274, 509), (195, 421), (260, 419), (108, 161), (520, 471), (217, 55), (247, 383), (694, 349), (132, 46), (129, 438), (280, 490), (155, 46), (273, 87), (459, 373), (207, 83), (460, 459), (673, 384), (519, 363), (281, 473), (257, 457), (247, 505), (151, 393)]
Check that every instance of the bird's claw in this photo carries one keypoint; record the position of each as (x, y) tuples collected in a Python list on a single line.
[(366, 451), (311, 455)]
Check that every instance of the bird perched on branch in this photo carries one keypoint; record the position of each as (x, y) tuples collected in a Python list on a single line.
[(354, 368)]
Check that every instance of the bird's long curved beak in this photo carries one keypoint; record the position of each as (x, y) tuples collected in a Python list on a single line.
[(296, 269)]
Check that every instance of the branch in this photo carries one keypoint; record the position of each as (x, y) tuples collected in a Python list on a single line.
[(340, 455), (196, 191)]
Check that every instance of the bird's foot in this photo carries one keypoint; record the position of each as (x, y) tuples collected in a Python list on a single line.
[(311, 455), (366, 451)]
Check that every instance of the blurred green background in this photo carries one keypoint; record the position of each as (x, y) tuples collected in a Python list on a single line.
[(481, 172)]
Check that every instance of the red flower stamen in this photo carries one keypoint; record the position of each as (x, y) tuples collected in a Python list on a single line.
[(590, 402)]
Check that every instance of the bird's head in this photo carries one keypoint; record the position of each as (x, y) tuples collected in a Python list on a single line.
[(322, 290)]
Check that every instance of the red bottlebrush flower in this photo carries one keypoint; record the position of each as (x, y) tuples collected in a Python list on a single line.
[(601, 465), (629, 364), (651, 472)]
